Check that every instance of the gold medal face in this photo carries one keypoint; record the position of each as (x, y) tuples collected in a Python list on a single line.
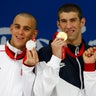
[(62, 35)]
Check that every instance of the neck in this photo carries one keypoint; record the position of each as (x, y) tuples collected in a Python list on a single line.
[(17, 47), (75, 43)]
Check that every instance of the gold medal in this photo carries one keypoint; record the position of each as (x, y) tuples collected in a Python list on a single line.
[(62, 35)]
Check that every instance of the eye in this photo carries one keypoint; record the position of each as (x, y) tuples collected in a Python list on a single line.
[(16, 26), (73, 20), (27, 28), (63, 21)]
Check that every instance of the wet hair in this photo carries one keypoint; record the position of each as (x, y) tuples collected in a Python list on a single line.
[(70, 8)]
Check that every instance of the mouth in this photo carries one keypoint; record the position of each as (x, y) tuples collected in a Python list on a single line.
[(19, 38), (70, 32)]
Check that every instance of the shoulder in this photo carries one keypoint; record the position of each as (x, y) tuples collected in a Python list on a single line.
[(45, 48), (45, 53)]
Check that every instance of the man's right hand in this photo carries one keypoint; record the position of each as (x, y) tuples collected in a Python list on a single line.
[(57, 45)]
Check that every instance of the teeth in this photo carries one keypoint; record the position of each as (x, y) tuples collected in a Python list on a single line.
[(62, 35), (30, 44)]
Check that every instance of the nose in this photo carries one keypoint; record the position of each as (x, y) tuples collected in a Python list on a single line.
[(21, 31), (68, 24)]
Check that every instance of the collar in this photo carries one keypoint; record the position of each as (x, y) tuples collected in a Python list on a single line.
[(71, 50), (13, 52)]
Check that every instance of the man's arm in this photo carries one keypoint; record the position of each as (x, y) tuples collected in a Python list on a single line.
[(28, 75), (89, 57)]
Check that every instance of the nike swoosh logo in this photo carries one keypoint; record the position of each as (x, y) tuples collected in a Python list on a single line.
[(62, 64)]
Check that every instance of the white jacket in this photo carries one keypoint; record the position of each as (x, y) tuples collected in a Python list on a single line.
[(44, 82), (14, 76), (13, 83), (90, 83), (48, 82), (10, 75)]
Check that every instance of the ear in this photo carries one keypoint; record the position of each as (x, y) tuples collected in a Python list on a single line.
[(11, 28), (35, 33), (83, 20), (58, 24)]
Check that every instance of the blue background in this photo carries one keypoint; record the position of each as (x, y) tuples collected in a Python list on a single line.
[(45, 12)]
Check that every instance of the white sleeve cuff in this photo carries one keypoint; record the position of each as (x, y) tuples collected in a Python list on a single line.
[(27, 69)]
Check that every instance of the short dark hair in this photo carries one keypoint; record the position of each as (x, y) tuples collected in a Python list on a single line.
[(70, 8), (25, 14)]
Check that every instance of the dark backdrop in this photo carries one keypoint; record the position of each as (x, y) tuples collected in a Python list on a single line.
[(45, 12)]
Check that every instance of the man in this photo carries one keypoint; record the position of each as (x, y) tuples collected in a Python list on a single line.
[(90, 71), (17, 75), (12, 53), (70, 21)]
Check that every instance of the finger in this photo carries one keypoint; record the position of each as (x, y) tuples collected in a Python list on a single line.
[(59, 42), (34, 54), (29, 54)]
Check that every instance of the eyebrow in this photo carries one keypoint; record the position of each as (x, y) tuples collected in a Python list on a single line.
[(69, 19), (23, 26)]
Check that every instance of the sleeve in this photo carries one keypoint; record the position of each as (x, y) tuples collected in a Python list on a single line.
[(90, 79), (28, 78), (47, 76)]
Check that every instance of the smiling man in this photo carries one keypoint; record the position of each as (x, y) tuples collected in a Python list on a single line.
[(70, 21)]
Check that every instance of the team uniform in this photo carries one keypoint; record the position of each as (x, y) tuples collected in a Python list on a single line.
[(52, 85), (16, 79), (48, 82), (10, 72), (45, 81), (71, 82)]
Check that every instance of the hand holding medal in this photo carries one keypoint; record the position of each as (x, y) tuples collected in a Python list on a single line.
[(29, 45), (64, 36)]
